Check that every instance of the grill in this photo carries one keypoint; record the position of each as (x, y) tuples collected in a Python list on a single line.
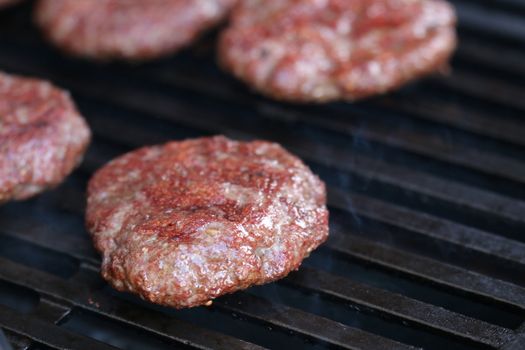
[(426, 193)]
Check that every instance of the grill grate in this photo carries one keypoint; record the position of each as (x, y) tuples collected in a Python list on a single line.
[(426, 192)]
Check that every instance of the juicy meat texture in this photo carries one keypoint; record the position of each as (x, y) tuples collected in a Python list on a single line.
[(42, 136), (324, 50), (127, 29), (185, 222)]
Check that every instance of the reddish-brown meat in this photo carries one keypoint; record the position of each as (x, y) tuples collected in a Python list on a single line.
[(185, 222), (127, 29), (323, 50), (42, 136)]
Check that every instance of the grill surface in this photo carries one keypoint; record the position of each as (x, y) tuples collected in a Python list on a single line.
[(426, 192)]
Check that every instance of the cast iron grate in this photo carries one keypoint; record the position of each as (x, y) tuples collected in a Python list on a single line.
[(426, 191)]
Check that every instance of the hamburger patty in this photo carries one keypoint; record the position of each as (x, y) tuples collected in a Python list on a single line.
[(42, 136), (127, 29), (311, 50), (185, 222)]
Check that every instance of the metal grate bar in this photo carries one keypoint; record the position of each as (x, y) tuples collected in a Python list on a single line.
[(498, 57), (305, 323), (519, 343), (429, 270), (422, 144), (50, 312), (516, 4), (71, 293), (458, 116), (17, 341), (69, 244), (430, 226), (46, 333), (482, 19), (486, 89), (400, 306)]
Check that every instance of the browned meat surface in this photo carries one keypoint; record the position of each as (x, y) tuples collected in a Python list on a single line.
[(185, 222), (311, 50), (127, 29), (42, 136)]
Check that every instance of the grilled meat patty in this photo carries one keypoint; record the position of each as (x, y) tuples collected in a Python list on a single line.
[(126, 29), (42, 136), (318, 51), (185, 222)]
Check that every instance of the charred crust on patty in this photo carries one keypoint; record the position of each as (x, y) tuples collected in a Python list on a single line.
[(183, 223)]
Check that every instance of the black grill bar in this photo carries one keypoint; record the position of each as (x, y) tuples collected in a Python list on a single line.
[(495, 57), (482, 20), (45, 333), (4, 343), (305, 323), (488, 89), (433, 227), (459, 117), (519, 342), (430, 270), (402, 307), (422, 144), (50, 311), (17, 341)]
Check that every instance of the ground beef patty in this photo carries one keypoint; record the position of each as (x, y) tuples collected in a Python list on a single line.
[(42, 136), (185, 222), (126, 29), (312, 50)]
